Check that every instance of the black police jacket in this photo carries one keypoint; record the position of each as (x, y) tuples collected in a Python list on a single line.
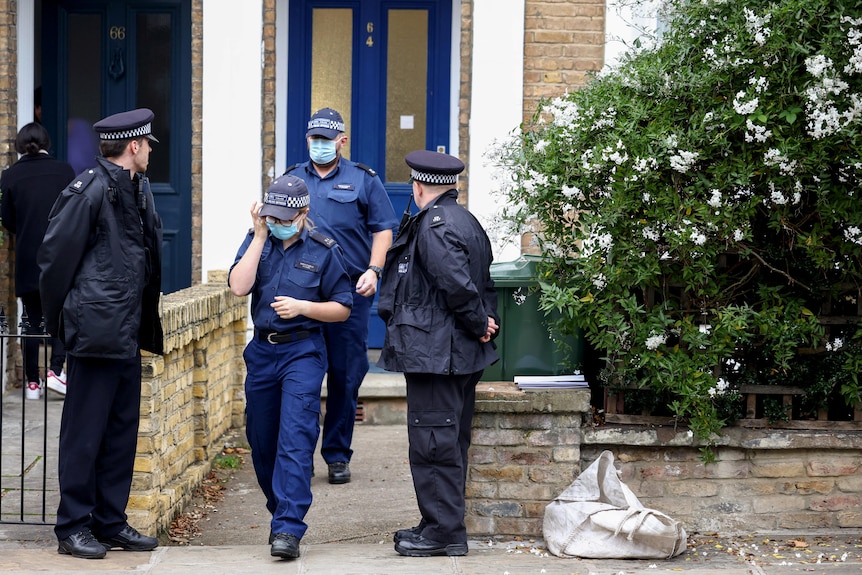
[(436, 293), (100, 265)]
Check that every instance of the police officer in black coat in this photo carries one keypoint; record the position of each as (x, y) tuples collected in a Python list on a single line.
[(440, 308), (100, 282)]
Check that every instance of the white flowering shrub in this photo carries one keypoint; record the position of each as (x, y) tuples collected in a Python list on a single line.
[(698, 206)]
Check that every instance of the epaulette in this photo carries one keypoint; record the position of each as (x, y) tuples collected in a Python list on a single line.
[(321, 238), (290, 168), (80, 183), (436, 216), (368, 169)]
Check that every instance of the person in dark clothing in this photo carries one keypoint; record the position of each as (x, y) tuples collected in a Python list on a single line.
[(298, 283), (29, 188), (440, 307), (100, 282)]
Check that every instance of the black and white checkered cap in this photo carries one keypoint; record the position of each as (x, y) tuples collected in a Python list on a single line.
[(433, 167), (131, 124), (325, 122), (284, 198)]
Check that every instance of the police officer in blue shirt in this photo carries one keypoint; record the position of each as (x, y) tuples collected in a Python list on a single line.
[(298, 283), (350, 204)]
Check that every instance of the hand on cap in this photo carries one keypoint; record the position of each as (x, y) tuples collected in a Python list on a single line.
[(259, 224), (288, 308)]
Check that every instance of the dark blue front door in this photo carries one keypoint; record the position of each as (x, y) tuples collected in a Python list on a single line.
[(100, 57), (385, 65)]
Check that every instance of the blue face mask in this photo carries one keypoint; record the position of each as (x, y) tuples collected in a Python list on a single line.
[(321, 150), (282, 231)]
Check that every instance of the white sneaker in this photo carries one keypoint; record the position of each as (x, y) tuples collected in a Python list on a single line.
[(57, 382), (33, 391)]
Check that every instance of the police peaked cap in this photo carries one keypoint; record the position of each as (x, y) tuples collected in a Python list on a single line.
[(325, 122), (284, 198), (132, 124), (433, 167)]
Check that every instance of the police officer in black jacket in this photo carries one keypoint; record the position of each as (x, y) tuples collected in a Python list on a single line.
[(100, 282), (440, 308)]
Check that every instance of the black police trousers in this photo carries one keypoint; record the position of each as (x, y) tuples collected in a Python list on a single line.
[(98, 437), (439, 424)]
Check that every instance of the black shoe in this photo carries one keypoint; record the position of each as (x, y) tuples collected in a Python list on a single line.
[(411, 533), (422, 547), (130, 540), (82, 544), (285, 545), (271, 536), (339, 472)]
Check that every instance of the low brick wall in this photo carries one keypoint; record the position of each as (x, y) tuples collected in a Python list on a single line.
[(529, 446), (190, 397)]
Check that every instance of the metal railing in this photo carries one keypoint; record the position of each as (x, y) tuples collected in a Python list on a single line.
[(29, 432)]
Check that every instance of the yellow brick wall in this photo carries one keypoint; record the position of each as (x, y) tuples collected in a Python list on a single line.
[(563, 42), (190, 397)]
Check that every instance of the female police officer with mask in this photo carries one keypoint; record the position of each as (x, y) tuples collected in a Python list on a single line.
[(297, 281)]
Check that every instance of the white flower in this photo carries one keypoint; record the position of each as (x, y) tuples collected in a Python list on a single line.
[(756, 132), (541, 145), (720, 388), (600, 281), (738, 235), (818, 65), (650, 234), (655, 340), (704, 328), (683, 160), (698, 237), (744, 108), (835, 345), (715, 200)]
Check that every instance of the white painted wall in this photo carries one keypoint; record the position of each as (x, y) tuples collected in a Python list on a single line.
[(497, 100), (625, 22), (232, 150)]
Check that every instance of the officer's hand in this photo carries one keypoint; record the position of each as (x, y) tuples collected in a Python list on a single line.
[(367, 284), (288, 307), (258, 222), (492, 329)]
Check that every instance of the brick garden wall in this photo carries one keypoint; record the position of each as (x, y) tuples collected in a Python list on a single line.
[(529, 446), (190, 397)]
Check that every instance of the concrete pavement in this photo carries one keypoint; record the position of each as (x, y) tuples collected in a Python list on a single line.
[(351, 526)]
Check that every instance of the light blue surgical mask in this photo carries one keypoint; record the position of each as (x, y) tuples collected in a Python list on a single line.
[(321, 150), (282, 231)]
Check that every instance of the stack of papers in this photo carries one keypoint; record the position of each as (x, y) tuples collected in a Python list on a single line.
[(575, 380)]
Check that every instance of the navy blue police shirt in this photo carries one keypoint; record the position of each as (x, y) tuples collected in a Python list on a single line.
[(349, 205), (312, 269)]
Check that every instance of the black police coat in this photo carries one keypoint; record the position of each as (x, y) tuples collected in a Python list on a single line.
[(436, 293), (100, 265)]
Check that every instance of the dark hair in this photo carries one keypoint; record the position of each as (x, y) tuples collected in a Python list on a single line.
[(115, 148), (32, 138)]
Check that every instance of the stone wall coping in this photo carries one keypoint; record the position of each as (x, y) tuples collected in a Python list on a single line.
[(735, 437), (505, 397)]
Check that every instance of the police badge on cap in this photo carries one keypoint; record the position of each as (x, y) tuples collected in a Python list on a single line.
[(325, 122), (433, 167), (284, 198), (133, 124)]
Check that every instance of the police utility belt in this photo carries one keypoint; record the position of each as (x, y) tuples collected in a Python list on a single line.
[(274, 337)]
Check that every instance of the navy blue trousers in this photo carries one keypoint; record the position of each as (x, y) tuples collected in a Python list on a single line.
[(98, 438), (347, 347), (282, 389), (439, 428)]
